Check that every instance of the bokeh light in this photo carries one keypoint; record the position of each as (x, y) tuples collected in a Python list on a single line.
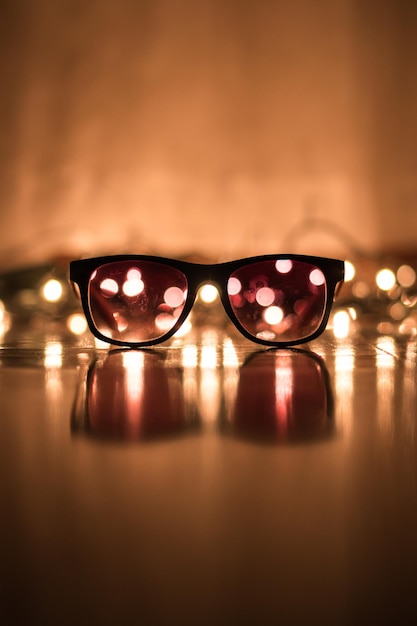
[(406, 276), (52, 290), (341, 324), (350, 271), (385, 279), (209, 293), (77, 323)]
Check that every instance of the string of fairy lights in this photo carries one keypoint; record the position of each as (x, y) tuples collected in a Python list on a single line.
[(376, 298)]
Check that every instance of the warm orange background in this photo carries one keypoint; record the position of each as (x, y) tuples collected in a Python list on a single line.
[(210, 126)]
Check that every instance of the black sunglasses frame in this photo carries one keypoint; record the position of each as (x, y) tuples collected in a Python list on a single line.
[(197, 274)]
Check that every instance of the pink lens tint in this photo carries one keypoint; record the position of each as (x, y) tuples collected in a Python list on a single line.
[(136, 301), (278, 300)]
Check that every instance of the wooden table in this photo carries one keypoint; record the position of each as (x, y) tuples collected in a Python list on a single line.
[(208, 482)]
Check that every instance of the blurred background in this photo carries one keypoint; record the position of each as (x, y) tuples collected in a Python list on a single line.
[(217, 128)]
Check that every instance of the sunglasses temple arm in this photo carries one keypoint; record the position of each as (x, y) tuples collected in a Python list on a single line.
[(75, 288), (338, 288)]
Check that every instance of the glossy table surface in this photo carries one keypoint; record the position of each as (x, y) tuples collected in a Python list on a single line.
[(209, 482)]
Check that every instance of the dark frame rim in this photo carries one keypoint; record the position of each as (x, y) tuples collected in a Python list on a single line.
[(198, 274)]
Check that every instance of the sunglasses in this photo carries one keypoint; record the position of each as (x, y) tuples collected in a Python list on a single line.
[(274, 300)]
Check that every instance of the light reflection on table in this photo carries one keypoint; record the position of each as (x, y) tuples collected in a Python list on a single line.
[(215, 379), (273, 395)]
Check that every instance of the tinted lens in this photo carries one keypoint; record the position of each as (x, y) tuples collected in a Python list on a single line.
[(136, 301), (278, 300)]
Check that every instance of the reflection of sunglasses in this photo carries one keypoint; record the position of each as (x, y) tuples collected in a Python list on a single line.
[(131, 395), (137, 300), (283, 396), (279, 396)]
